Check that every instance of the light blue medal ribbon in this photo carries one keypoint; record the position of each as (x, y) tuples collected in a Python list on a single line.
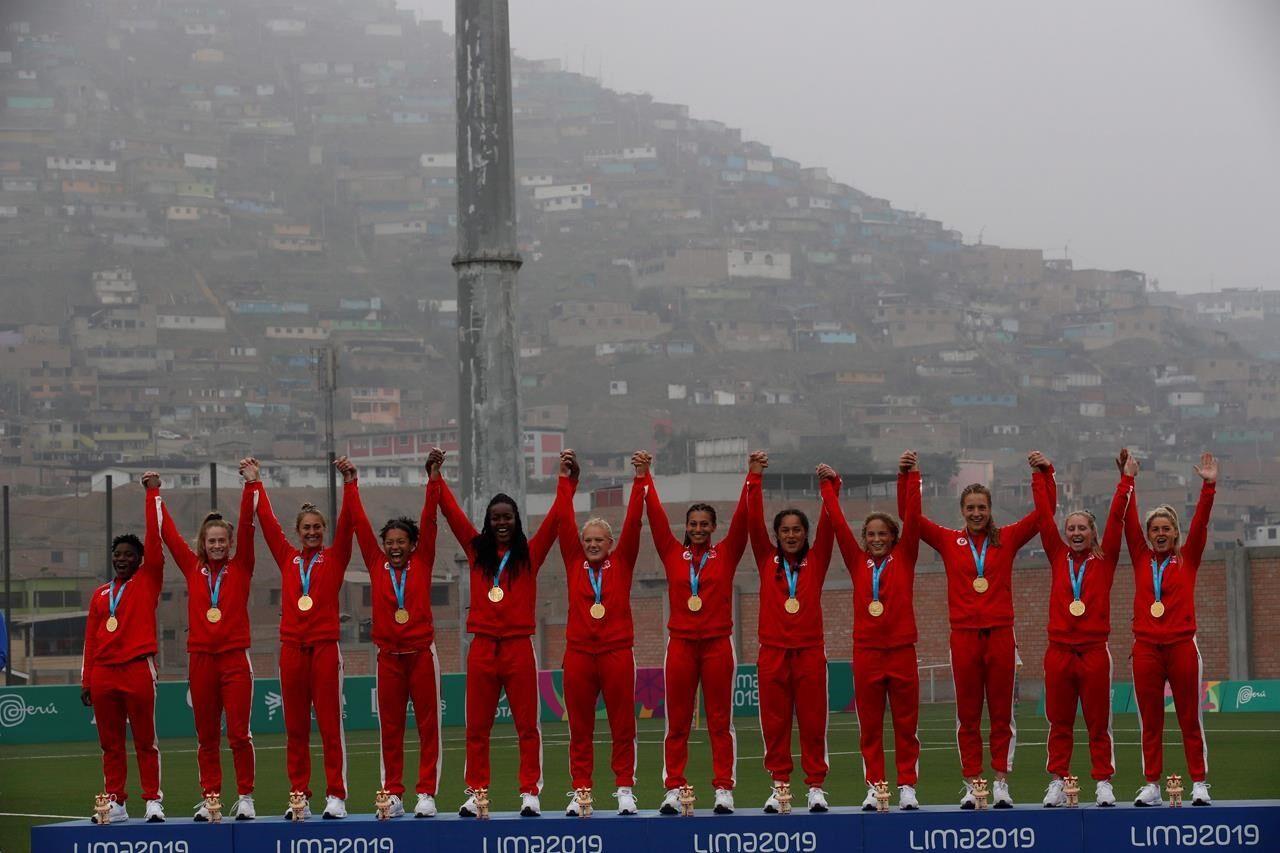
[(304, 575), (113, 601), (793, 576), (397, 586), (875, 579), (1157, 580), (215, 587), (1077, 578), (694, 574), (597, 581), (495, 591), (980, 583)]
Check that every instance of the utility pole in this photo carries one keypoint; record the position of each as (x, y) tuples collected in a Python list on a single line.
[(327, 372), (487, 262), (8, 592), (213, 486), (110, 568)]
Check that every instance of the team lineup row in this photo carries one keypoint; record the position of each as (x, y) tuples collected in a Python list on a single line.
[(118, 677)]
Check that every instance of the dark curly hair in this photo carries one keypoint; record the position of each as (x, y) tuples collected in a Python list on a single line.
[(408, 525), (804, 549), (485, 544), (128, 539)]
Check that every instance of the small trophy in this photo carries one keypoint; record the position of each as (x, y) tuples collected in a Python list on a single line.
[(1173, 787), (101, 809), (482, 802), (213, 805), (1071, 787), (297, 806), (882, 797), (382, 804), (782, 790), (687, 799), (980, 793), (582, 796)]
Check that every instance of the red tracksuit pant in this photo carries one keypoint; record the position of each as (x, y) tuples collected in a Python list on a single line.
[(222, 682), (312, 676), (793, 683), (1079, 674), (714, 663), (120, 693), (402, 678), (1179, 664), (881, 675), (983, 663), (586, 677), (495, 665)]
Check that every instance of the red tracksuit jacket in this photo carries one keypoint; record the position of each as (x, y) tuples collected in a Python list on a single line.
[(777, 627), (616, 630), (1094, 625), (715, 582), (320, 623), (513, 616), (135, 637), (1178, 586), (231, 632), (896, 626), (419, 632), (968, 608)]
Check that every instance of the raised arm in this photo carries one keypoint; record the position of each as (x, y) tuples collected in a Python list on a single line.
[(1024, 529), (1050, 537), (659, 524), (343, 531), (823, 541), (850, 551), (245, 526), (456, 519), (1198, 534), (277, 542), (735, 541), (370, 548), (1114, 531), (152, 549), (628, 546), (1134, 535), (931, 532), (187, 559), (541, 541), (427, 526), (761, 546)]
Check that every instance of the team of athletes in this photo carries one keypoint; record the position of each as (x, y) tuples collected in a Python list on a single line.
[(119, 674)]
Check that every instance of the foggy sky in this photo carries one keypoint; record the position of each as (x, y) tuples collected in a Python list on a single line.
[(1143, 134)]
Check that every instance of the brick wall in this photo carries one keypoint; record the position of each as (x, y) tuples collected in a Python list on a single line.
[(1264, 599)]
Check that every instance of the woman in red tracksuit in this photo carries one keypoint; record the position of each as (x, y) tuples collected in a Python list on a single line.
[(399, 569), (699, 642), (1164, 629), (792, 660), (310, 660), (504, 584), (598, 654), (883, 571), (119, 674), (1077, 661), (979, 565), (219, 671)]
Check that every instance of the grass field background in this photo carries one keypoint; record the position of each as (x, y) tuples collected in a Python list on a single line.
[(61, 779)]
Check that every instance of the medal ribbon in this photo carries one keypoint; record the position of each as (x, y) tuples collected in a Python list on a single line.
[(792, 578), (113, 597), (980, 559), (214, 588), (875, 578), (597, 580), (497, 577), (694, 574), (398, 586), (1157, 575), (305, 575), (1077, 580)]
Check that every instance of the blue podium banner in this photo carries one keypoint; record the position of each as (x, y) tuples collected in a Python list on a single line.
[(1241, 825)]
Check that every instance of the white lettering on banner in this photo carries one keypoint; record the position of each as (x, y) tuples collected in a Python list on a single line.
[(1188, 835), (986, 838), (124, 846), (1247, 694), (14, 710), (746, 690), (545, 844), (336, 845), (755, 842)]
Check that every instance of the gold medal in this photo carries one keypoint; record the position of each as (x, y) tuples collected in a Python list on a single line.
[(305, 603), (875, 608), (597, 611), (695, 603), (1157, 609), (495, 594), (112, 624), (792, 605), (980, 585), (213, 614), (1077, 608), (402, 615)]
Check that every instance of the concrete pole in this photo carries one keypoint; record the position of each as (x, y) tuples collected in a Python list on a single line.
[(1239, 615), (487, 261)]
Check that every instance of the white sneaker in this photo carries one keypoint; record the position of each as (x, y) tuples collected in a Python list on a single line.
[(1000, 798), (306, 811), (469, 807), (773, 805), (671, 802), (869, 801), (573, 809), (1200, 794), (202, 813), (243, 808), (724, 801), (155, 812), (907, 798), (1105, 796), (626, 801), (1054, 796), (529, 805), (117, 814), (336, 809), (967, 801), (426, 806), (395, 809), (818, 800), (1148, 795)]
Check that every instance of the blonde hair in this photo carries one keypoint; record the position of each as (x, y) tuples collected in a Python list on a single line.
[(213, 519), (1165, 511), (309, 509), (1093, 525), (598, 522), (993, 531), (889, 522)]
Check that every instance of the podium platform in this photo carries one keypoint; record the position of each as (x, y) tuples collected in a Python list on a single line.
[(1228, 825)]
